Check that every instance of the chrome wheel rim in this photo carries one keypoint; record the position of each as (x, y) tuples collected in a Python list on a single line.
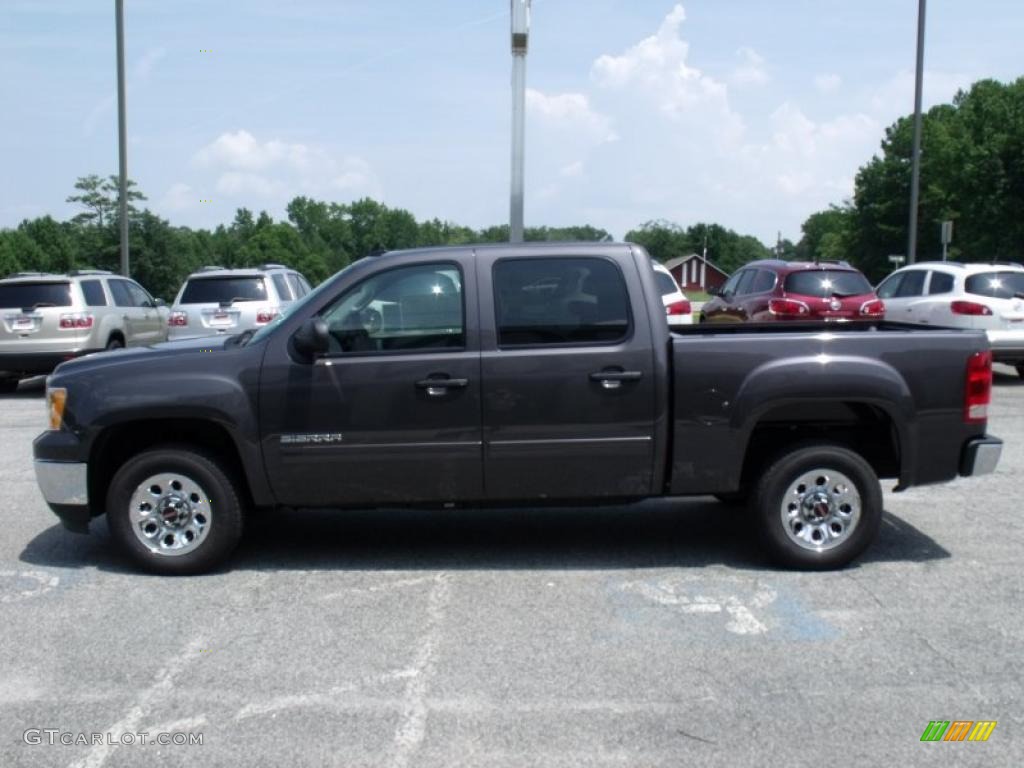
[(170, 514), (820, 509)]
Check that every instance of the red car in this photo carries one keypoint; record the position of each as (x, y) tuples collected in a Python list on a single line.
[(769, 290)]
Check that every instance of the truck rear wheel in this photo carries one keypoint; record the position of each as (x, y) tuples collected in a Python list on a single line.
[(175, 511), (818, 507)]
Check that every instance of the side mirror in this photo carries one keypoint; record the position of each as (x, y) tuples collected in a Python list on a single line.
[(312, 338), (712, 291), (159, 303)]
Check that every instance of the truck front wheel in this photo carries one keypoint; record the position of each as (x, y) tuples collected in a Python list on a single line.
[(175, 511), (818, 507)]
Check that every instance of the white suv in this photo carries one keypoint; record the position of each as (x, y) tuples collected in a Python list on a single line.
[(46, 319), (217, 301), (988, 297)]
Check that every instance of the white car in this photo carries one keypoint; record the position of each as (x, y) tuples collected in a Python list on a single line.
[(217, 301), (987, 297), (677, 306)]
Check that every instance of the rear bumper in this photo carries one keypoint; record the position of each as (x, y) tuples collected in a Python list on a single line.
[(34, 363), (1007, 346), (980, 456)]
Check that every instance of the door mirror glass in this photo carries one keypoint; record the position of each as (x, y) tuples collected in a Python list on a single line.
[(312, 338), (714, 291), (160, 302)]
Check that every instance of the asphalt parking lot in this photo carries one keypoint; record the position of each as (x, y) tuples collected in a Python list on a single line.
[(652, 635)]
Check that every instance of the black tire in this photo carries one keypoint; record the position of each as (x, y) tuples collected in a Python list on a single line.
[(7, 386), (1020, 370), (776, 481), (224, 509), (115, 343)]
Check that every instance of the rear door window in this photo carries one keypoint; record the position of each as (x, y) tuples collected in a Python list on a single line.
[(996, 285), (941, 282), (573, 300), (217, 290), (35, 295), (93, 292), (665, 283), (122, 296), (912, 285), (764, 281), (296, 284), (283, 292), (746, 280), (822, 283)]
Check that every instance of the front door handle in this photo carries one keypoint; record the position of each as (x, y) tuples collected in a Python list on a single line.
[(614, 379), (437, 386)]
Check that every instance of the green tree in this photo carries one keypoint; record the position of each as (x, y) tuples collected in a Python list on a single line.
[(99, 197)]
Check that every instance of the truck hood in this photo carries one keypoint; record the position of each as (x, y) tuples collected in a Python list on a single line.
[(189, 352)]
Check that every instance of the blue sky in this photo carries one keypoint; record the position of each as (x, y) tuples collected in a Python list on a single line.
[(748, 113)]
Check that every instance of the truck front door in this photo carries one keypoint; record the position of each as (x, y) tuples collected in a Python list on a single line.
[(568, 369), (391, 413)]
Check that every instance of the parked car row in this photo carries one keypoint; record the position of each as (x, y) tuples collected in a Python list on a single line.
[(945, 294), (46, 319)]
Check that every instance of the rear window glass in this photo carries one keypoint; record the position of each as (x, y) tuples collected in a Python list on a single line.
[(827, 282), (30, 295), (996, 285), (665, 283), (93, 292), (214, 290)]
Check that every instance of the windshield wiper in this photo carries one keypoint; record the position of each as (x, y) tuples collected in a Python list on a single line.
[(241, 339), (39, 304)]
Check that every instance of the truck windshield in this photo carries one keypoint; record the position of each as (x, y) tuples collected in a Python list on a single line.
[(996, 285), (214, 290), (827, 282), (27, 295)]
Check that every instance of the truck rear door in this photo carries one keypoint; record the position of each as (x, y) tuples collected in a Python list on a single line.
[(568, 375)]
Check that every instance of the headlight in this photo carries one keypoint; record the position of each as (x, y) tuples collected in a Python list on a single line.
[(56, 397)]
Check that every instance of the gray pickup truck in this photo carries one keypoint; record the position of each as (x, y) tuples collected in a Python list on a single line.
[(497, 375)]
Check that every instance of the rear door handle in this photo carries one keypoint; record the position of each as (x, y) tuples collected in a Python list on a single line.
[(437, 386), (614, 379)]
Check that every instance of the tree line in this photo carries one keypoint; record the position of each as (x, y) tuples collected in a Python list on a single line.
[(972, 172)]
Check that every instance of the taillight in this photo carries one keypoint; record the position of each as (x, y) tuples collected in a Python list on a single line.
[(788, 308), (681, 307), (872, 308), (177, 319), (77, 321), (265, 315), (969, 308), (978, 387)]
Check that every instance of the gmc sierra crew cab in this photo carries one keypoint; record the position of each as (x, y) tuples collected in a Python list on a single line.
[(514, 374)]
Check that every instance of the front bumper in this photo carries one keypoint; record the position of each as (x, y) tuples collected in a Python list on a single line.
[(980, 456), (63, 477)]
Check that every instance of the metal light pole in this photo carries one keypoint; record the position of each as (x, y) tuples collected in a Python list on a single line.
[(520, 34), (122, 139), (915, 172)]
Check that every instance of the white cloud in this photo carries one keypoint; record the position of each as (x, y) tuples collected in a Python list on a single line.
[(751, 70), (572, 111), (896, 96), (828, 83), (571, 170), (278, 170), (178, 197), (657, 67)]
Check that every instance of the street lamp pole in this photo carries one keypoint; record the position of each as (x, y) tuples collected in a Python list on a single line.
[(520, 33), (915, 172), (122, 148)]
